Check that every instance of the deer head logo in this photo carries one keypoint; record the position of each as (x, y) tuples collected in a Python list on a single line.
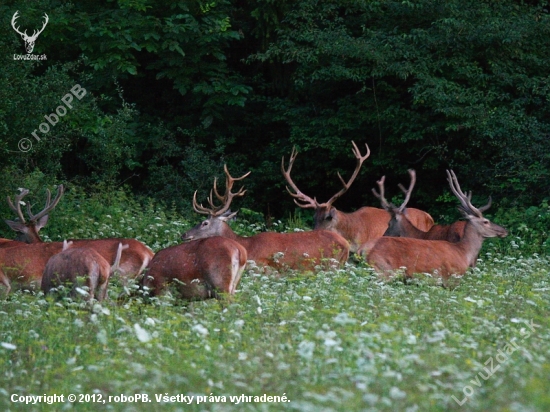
[(29, 40)]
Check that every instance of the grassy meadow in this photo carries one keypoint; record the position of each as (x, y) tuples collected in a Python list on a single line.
[(338, 340)]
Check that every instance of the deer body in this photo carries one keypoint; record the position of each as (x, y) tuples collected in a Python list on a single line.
[(364, 224), (300, 250), (200, 268), (133, 261), (434, 256), (400, 226), (430, 256), (358, 227), (24, 264), (64, 268)]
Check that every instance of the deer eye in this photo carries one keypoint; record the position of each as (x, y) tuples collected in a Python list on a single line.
[(205, 223), (329, 218)]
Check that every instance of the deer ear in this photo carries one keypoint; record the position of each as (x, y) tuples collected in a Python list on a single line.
[(41, 222), (17, 226), (225, 217)]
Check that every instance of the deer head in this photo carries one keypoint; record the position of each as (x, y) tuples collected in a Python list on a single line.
[(29, 40), (395, 212), (28, 231), (325, 214), (483, 226), (217, 215)]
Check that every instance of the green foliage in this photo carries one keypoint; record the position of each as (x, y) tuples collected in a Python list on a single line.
[(177, 89), (105, 212), (530, 227), (109, 212), (431, 85), (338, 340)]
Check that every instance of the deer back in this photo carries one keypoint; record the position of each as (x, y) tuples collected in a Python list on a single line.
[(201, 268), (64, 268), (296, 250), (400, 226), (7, 243), (364, 224), (134, 259)]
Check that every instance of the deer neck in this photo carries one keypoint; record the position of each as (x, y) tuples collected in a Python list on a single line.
[(230, 234), (470, 243)]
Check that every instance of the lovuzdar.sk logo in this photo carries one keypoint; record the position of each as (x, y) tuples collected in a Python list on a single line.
[(29, 40)]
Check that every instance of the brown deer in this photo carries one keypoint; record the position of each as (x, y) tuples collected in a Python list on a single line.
[(64, 268), (400, 226), (133, 261), (357, 227), (299, 250), (435, 256), (24, 264), (28, 231), (200, 269), (7, 243)]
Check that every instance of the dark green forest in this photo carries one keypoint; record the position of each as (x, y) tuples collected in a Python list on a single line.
[(176, 89)]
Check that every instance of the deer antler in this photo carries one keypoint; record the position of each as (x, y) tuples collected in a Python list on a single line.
[(15, 17), (307, 202), (226, 199), (360, 160), (465, 199), (380, 195), (48, 206), (35, 33), (29, 40), (385, 204), (408, 191), (17, 207)]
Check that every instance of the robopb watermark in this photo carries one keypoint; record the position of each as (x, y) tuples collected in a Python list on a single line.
[(25, 144)]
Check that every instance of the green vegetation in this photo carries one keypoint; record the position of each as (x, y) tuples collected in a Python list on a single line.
[(174, 90), (337, 340)]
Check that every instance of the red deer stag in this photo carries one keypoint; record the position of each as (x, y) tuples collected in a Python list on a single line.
[(200, 269), (65, 267), (357, 227), (300, 250), (400, 226), (435, 256), (133, 262), (28, 231)]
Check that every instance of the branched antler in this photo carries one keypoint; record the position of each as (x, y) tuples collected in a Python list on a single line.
[(305, 201), (465, 199), (226, 199)]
